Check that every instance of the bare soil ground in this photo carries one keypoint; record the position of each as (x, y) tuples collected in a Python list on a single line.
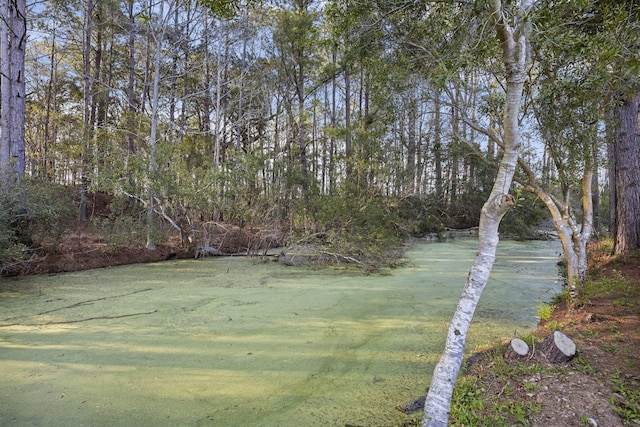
[(604, 374), (581, 392)]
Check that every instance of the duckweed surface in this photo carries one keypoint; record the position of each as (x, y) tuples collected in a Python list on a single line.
[(238, 342)]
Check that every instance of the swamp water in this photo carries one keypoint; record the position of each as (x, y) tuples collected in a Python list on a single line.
[(235, 342)]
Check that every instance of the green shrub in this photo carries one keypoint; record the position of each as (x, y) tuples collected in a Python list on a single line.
[(34, 215), (544, 311)]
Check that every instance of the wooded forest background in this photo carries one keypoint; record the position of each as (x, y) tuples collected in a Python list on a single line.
[(362, 122)]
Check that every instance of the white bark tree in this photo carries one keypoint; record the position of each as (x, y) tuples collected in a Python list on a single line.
[(574, 232), (158, 36), (13, 35), (513, 37)]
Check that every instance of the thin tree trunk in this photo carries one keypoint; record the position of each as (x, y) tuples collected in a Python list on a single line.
[(412, 118), (437, 150), (347, 122), (131, 97), (47, 164), (515, 56), (154, 132), (5, 90), (87, 110), (218, 124)]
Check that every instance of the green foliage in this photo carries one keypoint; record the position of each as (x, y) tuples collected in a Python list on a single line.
[(583, 365), (467, 404), (33, 215), (419, 216), (122, 230), (221, 8), (360, 225), (626, 400), (523, 221), (471, 405), (544, 311), (618, 285)]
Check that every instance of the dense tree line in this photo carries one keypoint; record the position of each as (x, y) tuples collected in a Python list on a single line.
[(272, 112), (285, 113), (336, 119)]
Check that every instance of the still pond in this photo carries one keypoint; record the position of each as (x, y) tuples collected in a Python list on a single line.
[(239, 342)]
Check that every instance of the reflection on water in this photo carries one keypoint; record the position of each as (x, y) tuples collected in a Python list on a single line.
[(237, 342)]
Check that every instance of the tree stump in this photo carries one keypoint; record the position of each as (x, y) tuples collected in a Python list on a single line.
[(558, 347), (517, 349)]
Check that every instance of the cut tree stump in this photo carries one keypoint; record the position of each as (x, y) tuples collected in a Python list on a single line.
[(558, 347), (517, 349)]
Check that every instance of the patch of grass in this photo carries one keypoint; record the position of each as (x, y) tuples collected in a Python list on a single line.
[(609, 347), (467, 406), (588, 334), (583, 365), (544, 311), (605, 245), (518, 411), (560, 298), (606, 286), (625, 400), (493, 397), (553, 325)]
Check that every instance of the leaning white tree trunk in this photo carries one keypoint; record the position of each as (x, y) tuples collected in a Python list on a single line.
[(515, 56)]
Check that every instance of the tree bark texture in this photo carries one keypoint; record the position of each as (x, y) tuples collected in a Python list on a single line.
[(515, 56), (13, 32), (627, 178), (558, 348)]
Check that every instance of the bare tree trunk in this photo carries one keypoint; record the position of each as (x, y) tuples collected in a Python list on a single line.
[(48, 136), (87, 109), (158, 35), (347, 122), (5, 90), (218, 124), (437, 150), (332, 139), (131, 97), (627, 178), (412, 119), (13, 30), (514, 43)]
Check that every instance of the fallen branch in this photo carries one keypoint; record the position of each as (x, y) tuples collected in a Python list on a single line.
[(343, 258), (413, 406), (81, 320), (78, 304)]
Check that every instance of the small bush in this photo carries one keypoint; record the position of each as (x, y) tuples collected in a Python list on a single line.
[(34, 214), (545, 311)]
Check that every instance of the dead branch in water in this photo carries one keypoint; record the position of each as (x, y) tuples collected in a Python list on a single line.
[(62, 322)]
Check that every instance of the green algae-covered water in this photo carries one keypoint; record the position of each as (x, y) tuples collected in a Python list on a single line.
[(237, 342)]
